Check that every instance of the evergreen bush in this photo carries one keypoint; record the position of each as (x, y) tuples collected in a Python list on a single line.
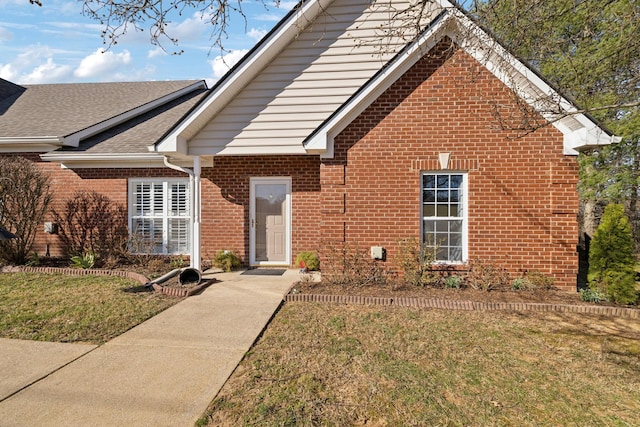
[(611, 259), (227, 261)]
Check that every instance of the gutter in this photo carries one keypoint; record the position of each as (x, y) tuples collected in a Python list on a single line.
[(29, 144), (77, 160)]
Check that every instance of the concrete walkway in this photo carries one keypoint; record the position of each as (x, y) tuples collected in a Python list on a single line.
[(163, 372)]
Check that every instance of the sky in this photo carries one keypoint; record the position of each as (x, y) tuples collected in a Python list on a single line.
[(55, 43)]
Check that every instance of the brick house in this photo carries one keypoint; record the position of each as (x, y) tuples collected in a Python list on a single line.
[(333, 129)]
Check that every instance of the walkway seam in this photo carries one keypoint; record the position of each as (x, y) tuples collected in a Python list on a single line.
[(37, 380)]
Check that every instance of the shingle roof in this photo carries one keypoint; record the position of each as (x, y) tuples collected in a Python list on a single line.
[(135, 135), (60, 110)]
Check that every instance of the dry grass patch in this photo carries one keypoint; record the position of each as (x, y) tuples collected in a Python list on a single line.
[(353, 365), (56, 307)]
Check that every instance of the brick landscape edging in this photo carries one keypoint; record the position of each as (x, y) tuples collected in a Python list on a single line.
[(85, 272), (182, 292), (143, 280), (465, 305)]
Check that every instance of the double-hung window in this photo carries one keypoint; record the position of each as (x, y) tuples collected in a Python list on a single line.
[(444, 215), (159, 215)]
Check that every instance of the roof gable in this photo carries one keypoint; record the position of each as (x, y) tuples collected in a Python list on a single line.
[(304, 70), (323, 65), (579, 130)]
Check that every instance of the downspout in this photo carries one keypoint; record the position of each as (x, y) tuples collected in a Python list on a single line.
[(194, 193)]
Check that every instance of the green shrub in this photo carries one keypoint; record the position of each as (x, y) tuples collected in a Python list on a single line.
[(611, 260), (34, 260), (520, 284), (531, 281), (592, 295), (227, 261), (454, 282), (308, 260), (177, 262), (86, 260)]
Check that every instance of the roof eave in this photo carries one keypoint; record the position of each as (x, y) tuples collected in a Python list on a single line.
[(75, 160), (533, 89), (502, 64), (120, 160), (30, 144), (587, 138)]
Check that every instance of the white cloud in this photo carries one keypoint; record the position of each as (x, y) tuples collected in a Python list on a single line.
[(222, 64), (256, 34), (102, 64), (35, 65), (158, 51), (286, 6), (190, 29), (8, 72), (47, 73), (68, 7), (5, 35), (269, 17)]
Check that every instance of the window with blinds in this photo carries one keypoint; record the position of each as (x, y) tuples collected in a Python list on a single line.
[(159, 215)]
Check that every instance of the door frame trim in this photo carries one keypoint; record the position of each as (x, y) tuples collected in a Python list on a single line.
[(252, 213)]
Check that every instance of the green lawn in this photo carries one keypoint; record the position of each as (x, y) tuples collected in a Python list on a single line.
[(56, 307), (340, 365)]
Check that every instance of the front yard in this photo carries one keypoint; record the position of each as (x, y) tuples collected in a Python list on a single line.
[(330, 364), (320, 364), (57, 307)]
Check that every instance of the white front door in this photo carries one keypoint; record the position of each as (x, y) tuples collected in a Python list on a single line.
[(270, 221)]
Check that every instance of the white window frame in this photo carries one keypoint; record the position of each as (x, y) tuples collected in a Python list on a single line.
[(462, 209), (165, 216)]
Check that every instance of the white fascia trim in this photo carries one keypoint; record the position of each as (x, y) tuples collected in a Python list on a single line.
[(245, 72), (74, 139), (587, 137), (322, 141), (531, 88), (29, 144), (121, 160), (504, 66)]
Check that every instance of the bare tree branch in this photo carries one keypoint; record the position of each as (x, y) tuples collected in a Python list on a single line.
[(157, 17)]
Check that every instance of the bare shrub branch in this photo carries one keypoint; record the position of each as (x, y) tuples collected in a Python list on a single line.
[(91, 222), (25, 196)]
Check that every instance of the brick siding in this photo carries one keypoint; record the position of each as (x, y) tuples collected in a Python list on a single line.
[(522, 200)]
